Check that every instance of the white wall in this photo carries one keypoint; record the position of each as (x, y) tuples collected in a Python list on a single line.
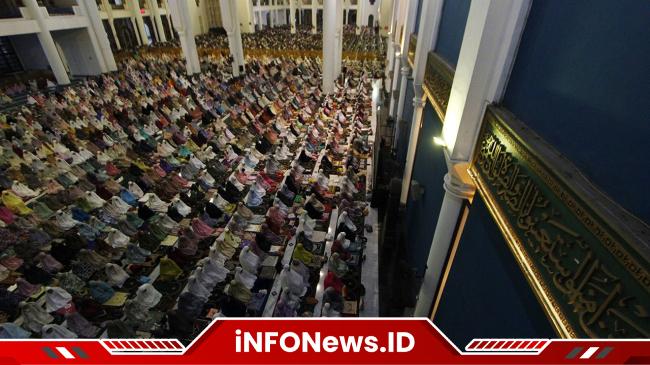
[(66, 22), (213, 11), (18, 26), (244, 10), (78, 52), (385, 10), (199, 17)]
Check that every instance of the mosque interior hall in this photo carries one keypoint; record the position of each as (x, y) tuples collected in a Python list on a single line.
[(481, 163)]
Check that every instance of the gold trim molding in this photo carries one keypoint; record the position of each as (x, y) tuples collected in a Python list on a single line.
[(558, 320)]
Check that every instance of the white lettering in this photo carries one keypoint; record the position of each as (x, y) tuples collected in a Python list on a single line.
[(237, 341), (313, 342), (249, 340), (401, 336), (330, 344), (351, 343), (269, 339), (371, 344), (263, 342), (283, 342)]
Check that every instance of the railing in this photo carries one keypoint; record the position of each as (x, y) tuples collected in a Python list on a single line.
[(438, 77)]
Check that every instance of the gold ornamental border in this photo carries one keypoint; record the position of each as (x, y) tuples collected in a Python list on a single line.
[(496, 119), (434, 103), (551, 308), (438, 79), (581, 210)]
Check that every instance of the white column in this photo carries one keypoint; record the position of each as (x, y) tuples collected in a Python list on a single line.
[(251, 16), (329, 44), (390, 49), (111, 23), (409, 25), (427, 37), (361, 7), (292, 15), (394, 94), (400, 59), (156, 36), (451, 220), (314, 9), (47, 42), (239, 45), (92, 36), (109, 12), (419, 101), (405, 72), (180, 14), (274, 15), (157, 20), (169, 20), (135, 8), (490, 41), (138, 37), (230, 23), (96, 29), (338, 65)]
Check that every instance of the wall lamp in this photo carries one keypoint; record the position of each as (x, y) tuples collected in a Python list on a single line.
[(439, 141)]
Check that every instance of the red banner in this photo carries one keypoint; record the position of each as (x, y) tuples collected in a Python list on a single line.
[(324, 341)]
